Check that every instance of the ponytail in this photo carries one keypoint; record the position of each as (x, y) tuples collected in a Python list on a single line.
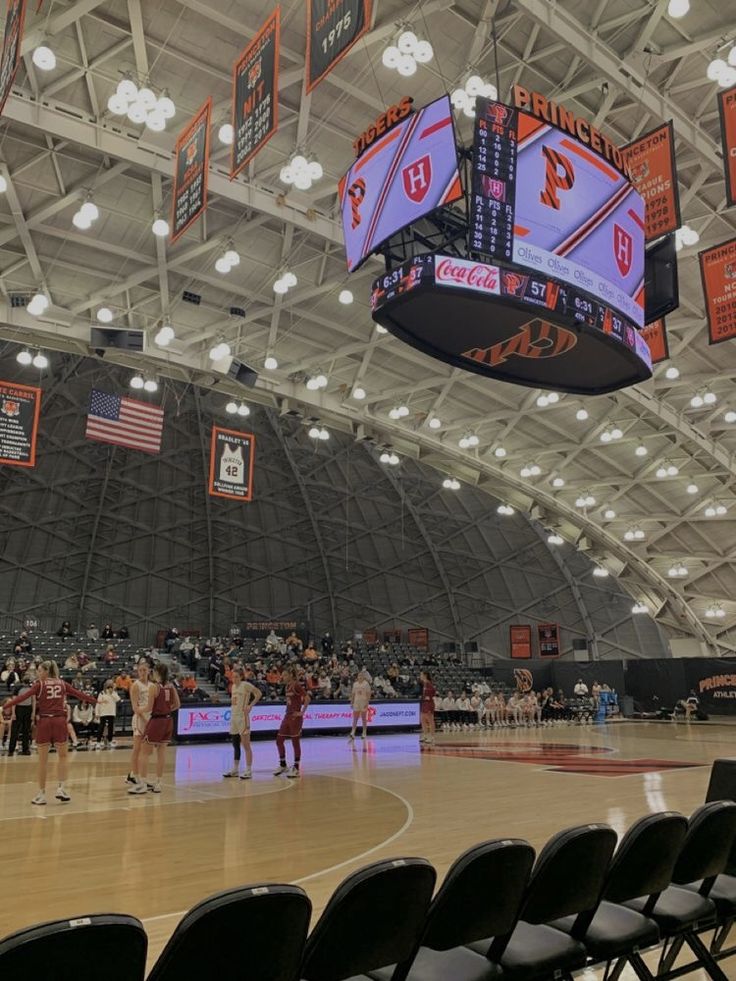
[(51, 668)]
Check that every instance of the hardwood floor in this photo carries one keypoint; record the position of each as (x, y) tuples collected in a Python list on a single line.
[(156, 856)]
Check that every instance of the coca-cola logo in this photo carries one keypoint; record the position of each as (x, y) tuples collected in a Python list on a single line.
[(471, 275)]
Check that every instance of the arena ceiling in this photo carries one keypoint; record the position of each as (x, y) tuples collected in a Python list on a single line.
[(623, 63)]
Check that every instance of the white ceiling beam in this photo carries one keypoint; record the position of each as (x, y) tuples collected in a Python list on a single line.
[(55, 25)]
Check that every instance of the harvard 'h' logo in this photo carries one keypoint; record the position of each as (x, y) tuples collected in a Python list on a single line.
[(537, 339), (417, 177), (623, 249)]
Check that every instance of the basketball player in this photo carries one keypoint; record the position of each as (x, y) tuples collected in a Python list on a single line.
[(50, 693), (360, 700), (163, 701), (297, 701), (426, 708), (244, 696), (139, 692), (6, 723)]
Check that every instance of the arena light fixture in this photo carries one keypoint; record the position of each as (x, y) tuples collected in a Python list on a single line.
[(600, 572), (286, 281), (585, 500), (150, 385), (24, 357), (301, 173), (270, 363), (634, 534), (558, 482), (87, 213), (722, 72), (640, 608), (505, 509), (581, 415), (692, 488), (220, 350), (709, 398), (697, 402), (38, 304), (315, 382), (358, 393), (667, 469), (672, 373), (105, 315), (345, 297), (464, 98), (44, 58), (685, 236), (243, 410), (641, 450), (165, 335), (554, 539), (715, 612), (408, 52), (609, 514), (228, 260), (678, 8), (231, 408), (389, 457), (451, 483), (380, 329), (160, 227), (141, 105), (434, 422), (3, 184), (500, 452), (40, 360), (137, 381), (677, 571), (729, 416), (226, 134)]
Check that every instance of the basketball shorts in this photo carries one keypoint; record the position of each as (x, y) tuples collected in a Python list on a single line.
[(159, 731), (291, 726), (139, 725), (52, 730)]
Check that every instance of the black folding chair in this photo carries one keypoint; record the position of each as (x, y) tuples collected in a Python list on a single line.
[(684, 909), (567, 881), (253, 933), (58, 951), (480, 897), (642, 866), (373, 920)]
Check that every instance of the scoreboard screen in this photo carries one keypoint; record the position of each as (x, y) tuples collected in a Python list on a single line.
[(400, 178), (543, 200)]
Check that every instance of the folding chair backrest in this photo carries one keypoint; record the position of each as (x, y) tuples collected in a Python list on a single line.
[(645, 859), (373, 919), (253, 933), (722, 783), (481, 895), (569, 873), (710, 838), (64, 949)]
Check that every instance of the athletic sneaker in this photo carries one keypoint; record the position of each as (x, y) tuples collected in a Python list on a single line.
[(156, 788), (293, 773), (138, 788), (246, 775), (98, 746), (281, 769), (231, 773), (351, 737), (150, 786), (39, 798), (62, 794), (113, 745), (130, 779)]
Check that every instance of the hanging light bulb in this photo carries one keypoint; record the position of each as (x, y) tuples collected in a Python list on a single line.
[(150, 385), (270, 364), (231, 408), (558, 482), (117, 105), (38, 304), (81, 221), (44, 58), (581, 415), (40, 361), (226, 134), (105, 315), (165, 106), (678, 8), (160, 227), (24, 357), (609, 514), (127, 89), (243, 409), (136, 113), (672, 373), (358, 393), (500, 452), (641, 450), (407, 42), (435, 422), (391, 57), (147, 98), (155, 121), (345, 297), (165, 335), (601, 572), (137, 382), (692, 488)]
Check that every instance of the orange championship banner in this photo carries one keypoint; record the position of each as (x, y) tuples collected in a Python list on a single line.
[(727, 112), (651, 162), (718, 275), (655, 334), (520, 640), (20, 407), (256, 94), (15, 16), (232, 455), (191, 167)]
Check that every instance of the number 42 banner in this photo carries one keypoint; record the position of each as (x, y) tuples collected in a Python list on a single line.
[(232, 455), (333, 27)]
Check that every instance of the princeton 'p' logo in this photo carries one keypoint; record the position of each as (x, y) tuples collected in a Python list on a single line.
[(524, 679), (536, 339), (559, 175)]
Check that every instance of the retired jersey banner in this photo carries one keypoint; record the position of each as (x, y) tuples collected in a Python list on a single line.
[(20, 406), (14, 18), (192, 161), (231, 464), (256, 94), (655, 334), (727, 110), (549, 639), (654, 173), (718, 274), (520, 640), (333, 27)]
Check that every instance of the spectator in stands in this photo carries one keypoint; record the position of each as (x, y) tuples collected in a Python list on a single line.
[(124, 633), (82, 719), (449, 711), (123, 682), (273, 643), (22, 644), (172, 636), (273, 675), (462, 706), (188, 683), (110, 656), (107, 632), (72, 663), (105, 711), (328, 644), (186, 652), (310, 654), (92, 633), (324, 685), (294, 644), (65, 631), (581, 689), (10, 675)]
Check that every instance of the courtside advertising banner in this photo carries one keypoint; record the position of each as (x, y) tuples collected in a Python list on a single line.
[(256, 94), (727, 110), (214, 720), (718, 274), (655, 334), (333, 27), (192, 161), (20, 406), (651, 159), (14, 18), (231, 464)]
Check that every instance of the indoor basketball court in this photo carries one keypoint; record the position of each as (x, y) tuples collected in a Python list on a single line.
[(367, 467)]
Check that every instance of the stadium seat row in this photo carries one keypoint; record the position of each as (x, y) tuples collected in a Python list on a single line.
[(498, 914)]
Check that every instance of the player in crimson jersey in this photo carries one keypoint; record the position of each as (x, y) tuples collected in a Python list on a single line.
[(426, 708), (297, 701), (50, 693), (163, 701)]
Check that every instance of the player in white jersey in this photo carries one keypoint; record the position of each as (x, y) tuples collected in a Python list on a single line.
[(139, 692), (360, 701), (244, 696)]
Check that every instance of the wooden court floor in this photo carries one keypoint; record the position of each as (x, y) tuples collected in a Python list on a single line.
[(154, 857)]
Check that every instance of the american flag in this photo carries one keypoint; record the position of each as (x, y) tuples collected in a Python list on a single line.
[(124, 422)]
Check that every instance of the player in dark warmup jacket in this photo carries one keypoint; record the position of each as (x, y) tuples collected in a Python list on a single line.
[(297, 701), (50, 693)]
